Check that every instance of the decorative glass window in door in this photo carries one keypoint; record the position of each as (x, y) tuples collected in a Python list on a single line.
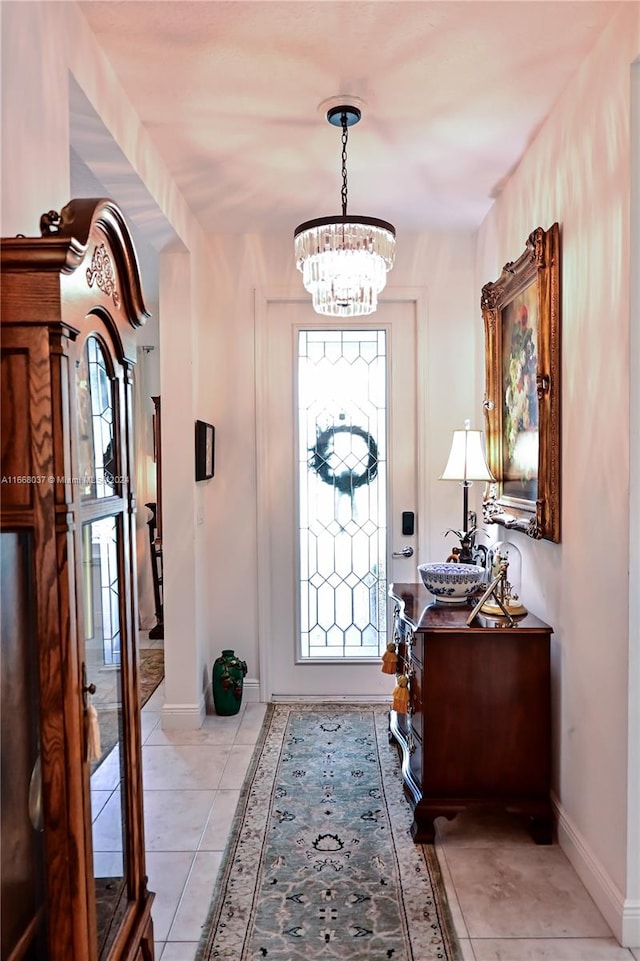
[(95, 423), (342, 480)]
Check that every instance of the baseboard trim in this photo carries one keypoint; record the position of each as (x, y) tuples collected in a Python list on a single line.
[(183, 717), (631, 925), (623, 917), (251, 690)]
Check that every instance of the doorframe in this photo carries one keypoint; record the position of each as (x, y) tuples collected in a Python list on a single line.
[(263, 298)]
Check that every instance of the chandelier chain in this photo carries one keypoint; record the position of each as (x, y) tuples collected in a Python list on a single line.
[(345, 137)]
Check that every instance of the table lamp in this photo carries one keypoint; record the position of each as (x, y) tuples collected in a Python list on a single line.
[(467, 463)]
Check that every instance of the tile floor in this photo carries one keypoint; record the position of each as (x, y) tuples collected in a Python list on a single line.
[(192, 782), (511, 900)]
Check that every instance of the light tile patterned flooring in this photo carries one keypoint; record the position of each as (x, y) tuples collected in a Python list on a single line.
[(511, 900)]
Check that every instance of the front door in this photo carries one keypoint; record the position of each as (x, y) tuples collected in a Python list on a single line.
[(337, 471)]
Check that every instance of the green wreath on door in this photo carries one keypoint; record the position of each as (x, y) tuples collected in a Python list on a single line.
[(346, 481)]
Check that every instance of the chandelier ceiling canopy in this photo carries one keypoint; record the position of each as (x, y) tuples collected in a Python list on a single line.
[(344, 259)]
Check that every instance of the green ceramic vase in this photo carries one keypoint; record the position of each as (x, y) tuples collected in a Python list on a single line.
[(228, 678)]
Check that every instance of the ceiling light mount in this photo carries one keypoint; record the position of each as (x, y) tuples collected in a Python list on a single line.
[(344, 260), (352, 102), (352, 115)]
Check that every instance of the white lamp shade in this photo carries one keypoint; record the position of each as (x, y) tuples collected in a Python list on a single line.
[(467, 461)]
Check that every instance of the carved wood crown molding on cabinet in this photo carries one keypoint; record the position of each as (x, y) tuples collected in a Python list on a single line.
[(71, 303)]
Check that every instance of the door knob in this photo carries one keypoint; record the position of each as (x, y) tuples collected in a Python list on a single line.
[(405, 552)]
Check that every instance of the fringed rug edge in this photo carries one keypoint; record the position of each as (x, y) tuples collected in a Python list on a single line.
[(443, 909), (234, 834)]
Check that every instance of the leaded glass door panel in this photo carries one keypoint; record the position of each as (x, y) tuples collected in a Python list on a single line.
[(340, 469), (341, 401)]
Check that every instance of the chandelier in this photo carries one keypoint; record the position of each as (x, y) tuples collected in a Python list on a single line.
[(344, 260)]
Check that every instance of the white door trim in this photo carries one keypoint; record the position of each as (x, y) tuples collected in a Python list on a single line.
[(264, 296)]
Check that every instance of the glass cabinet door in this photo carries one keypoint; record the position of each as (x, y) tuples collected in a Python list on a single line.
[(103, 607), (103, 668), (23, 932)]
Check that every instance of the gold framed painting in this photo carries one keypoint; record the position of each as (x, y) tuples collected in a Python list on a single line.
[(521, 314)]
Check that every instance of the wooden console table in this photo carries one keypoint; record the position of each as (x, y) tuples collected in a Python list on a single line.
[(478, 724)]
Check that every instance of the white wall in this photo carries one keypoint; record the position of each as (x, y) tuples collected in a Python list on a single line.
[(633, 788), (577, 171)]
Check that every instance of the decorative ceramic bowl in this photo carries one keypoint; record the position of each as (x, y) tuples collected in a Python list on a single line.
[(452, 583)]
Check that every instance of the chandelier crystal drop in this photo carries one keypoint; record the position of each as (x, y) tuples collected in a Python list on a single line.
[(344, 260)]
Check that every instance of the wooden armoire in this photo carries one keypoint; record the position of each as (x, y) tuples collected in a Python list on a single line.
[(74, 886)]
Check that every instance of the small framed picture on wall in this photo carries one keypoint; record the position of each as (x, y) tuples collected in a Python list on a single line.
[(205, 450)]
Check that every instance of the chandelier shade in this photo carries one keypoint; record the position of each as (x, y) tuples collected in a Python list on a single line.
[(344, 260)]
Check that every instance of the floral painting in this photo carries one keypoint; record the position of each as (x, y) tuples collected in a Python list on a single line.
[(520, 398), (521, 314)]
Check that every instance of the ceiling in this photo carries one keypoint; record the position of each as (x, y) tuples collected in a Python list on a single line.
[(452, 92)]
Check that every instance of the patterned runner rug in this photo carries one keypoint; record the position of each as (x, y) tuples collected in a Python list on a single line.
[(320, 864), (151, 672)]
